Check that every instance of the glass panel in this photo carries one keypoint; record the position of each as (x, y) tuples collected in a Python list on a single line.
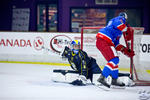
[(41, 18), (132, 20), (107, 1), (87, 17), (114, 1), (52, 17), (99, 17)]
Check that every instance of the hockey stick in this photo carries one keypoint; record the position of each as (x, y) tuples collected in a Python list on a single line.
[(49, 50), (64, 72), (130, 46)]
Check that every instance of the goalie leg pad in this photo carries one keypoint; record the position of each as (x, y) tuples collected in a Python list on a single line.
[(81, 81)]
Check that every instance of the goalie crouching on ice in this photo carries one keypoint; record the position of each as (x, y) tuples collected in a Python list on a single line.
[(81, 62)]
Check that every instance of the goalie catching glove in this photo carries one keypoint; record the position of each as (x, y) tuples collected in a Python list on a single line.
[(125, 51), (65, 52), (81, 81)]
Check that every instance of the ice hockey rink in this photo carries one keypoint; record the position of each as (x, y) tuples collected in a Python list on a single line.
[(33, 82)]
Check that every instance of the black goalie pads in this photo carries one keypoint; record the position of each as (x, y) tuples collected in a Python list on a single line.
[(64, 72)]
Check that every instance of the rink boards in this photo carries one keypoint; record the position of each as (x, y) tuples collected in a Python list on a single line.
[(26, 47)]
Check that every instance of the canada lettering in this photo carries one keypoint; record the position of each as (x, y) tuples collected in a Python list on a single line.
[(15, 42)]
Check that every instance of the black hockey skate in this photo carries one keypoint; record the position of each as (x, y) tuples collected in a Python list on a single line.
[(117, 83), (103, 81)]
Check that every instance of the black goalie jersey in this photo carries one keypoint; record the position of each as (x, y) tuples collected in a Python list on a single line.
[(81, 62)]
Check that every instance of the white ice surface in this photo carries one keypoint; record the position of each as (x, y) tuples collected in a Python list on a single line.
[(33, 82)]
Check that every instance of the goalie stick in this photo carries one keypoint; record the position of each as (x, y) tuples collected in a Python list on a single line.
[(64, 72), (88, 84)]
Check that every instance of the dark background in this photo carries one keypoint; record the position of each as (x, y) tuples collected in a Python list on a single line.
[(64, 7)]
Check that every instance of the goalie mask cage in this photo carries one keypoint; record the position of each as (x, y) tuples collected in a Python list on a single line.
[(138, 71)]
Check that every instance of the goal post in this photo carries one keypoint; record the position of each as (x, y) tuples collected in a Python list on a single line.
[(136, 69), (139, 71)]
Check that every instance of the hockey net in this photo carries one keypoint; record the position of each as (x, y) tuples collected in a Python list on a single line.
[(138, 71)]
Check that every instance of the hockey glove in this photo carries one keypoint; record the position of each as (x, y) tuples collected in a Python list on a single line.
[(127, 52), (81, 81), (65, 51)]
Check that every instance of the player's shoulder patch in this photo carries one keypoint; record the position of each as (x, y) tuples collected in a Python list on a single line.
[(121, 20)]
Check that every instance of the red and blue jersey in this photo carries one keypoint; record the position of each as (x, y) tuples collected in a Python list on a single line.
[(113, 31)]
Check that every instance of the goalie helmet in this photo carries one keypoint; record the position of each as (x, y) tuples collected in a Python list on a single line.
[(75, 46), (123, 14)]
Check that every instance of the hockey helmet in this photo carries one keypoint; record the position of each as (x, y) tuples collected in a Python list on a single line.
[(123, 14), (75, 43), (75, 46)]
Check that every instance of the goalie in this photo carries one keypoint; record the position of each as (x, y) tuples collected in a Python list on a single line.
[(81, 62), (108, 44)]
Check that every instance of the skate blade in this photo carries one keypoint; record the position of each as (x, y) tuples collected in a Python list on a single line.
[(103, 87)]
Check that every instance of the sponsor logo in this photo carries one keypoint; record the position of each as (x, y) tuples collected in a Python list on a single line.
[(87, 39), (58, 42), (38, 43), (145, 48)]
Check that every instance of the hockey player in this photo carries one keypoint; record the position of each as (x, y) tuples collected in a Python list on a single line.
[(81, 62), (108, 44)]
